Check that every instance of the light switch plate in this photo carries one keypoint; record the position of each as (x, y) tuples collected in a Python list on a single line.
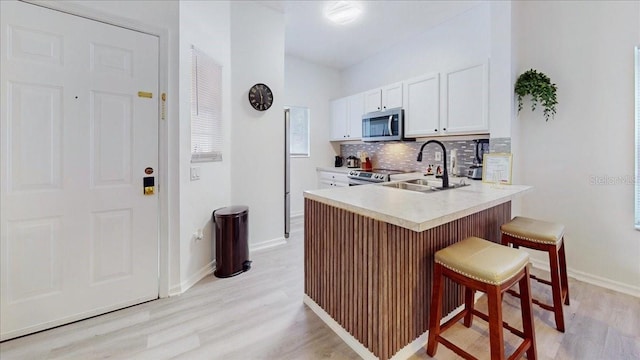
[(195, 173), (438, 156)]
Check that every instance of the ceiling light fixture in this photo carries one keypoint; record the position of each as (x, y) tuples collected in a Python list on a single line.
[(342, 12)]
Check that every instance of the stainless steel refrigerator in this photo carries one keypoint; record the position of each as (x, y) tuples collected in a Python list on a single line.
[(287, 175)]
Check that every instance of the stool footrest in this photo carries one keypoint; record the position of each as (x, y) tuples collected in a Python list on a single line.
[(505, 324), (533, 300), (524, 346), (449, 323), (453, 347), (541, 280)]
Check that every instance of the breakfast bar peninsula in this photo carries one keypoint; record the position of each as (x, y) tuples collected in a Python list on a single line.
[(369, 256)]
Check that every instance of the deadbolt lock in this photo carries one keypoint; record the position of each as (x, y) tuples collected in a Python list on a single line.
[(149, 185)]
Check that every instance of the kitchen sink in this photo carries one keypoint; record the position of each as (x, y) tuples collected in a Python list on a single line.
[(425, 182), (407, 186), (422, 185)]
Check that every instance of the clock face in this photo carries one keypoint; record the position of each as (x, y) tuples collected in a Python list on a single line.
[(260, 97)]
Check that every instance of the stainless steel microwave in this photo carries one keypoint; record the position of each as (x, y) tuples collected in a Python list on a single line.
[(384, 125)]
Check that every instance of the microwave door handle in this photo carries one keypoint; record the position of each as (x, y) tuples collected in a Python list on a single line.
[(390, 120)]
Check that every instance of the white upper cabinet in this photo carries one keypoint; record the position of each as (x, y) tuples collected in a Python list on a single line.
[(339, 119), (466, 100), (392, 96), (384, 98), (346, 117), (373, 100), (443, 103), (422, 105), (355, 110)]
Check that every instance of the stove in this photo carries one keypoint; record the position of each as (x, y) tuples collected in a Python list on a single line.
[(362, 177)]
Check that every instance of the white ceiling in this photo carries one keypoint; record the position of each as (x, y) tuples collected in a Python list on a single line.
[(310, 36)]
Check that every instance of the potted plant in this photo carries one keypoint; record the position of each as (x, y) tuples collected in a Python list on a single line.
[(542, 91)]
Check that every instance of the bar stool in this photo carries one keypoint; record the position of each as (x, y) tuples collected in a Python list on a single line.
[(549, 237), (481, 265)]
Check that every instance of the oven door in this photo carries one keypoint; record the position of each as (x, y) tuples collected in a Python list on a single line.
[(355, 182)]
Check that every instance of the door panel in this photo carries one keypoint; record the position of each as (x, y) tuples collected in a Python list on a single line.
[(111, 139), (78, 237), (35, 135)]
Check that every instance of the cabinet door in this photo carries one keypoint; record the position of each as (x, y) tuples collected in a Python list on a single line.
[(325, 184), (354, 117), (392, 96), (466, 102), (373, 100), (339, 119), (422, 105)]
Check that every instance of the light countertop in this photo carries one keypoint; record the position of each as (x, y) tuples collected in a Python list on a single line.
[(415, 210)]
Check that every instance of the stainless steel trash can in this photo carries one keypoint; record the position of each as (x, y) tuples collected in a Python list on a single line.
[(232, 234)]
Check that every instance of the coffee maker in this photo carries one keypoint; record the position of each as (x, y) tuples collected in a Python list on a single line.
[(475, 170)]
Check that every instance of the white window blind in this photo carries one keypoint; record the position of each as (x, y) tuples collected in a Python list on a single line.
[(637, 174), (206, 108)]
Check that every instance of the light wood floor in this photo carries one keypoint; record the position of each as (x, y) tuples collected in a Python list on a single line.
[(260, 315)]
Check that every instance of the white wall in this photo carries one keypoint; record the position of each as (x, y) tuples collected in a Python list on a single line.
[(500, 74), (206, 25), (457, 42), (257, 146), (586, 47), (310, 85)]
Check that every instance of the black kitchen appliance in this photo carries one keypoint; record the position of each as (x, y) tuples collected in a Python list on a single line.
[(339, 161), (481, 148)]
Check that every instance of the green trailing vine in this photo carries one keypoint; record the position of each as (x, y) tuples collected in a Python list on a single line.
[(542, 91)]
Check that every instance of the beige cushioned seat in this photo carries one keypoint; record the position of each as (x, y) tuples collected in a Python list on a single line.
[(483, 260), (534, 230)]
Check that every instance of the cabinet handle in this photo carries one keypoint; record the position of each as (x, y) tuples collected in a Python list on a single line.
[(436, 130), (444, 129)]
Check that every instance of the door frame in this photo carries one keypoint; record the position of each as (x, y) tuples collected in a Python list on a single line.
[(163, 124)]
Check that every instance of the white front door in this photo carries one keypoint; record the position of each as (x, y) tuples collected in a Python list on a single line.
[(78, 235)]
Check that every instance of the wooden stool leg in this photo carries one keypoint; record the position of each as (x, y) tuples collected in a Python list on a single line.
[(528, 325), (496, 337), (436, 310), (556, 289), (469, 295), (563, 274)]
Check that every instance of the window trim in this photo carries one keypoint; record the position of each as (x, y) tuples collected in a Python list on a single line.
[(637, 133), (307, 119)]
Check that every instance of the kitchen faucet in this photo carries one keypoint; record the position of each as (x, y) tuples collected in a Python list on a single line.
[(445, 174)]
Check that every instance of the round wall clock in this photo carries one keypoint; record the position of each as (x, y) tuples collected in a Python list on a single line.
[(260, 97)]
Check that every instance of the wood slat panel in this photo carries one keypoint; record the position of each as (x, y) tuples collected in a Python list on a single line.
[(375, 278)]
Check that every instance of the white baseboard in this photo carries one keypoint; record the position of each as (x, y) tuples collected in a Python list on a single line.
[(591, 279), (209, 268), (267, 244), (193, 279), (351, 341), (404, 353)]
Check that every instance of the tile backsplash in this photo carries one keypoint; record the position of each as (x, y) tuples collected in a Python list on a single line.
[(402, 155)]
